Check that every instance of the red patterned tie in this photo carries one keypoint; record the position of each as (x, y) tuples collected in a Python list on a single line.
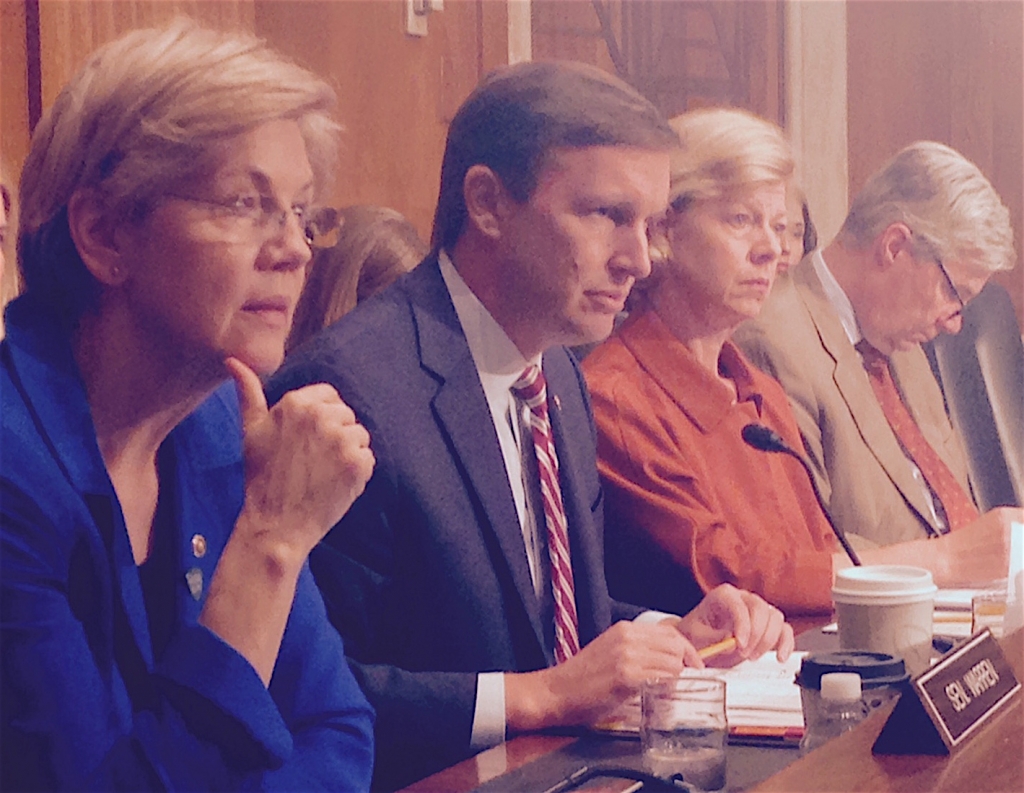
[(957, 505), (532, 389)]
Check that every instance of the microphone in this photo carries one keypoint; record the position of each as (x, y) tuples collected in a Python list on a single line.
[(765, 439)]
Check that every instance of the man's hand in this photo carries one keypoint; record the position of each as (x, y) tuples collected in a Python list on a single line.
[(592, 684), (977, 553), (727, 611), (968, 557)]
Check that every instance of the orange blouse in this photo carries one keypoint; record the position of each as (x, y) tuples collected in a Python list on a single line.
[(681, 483)]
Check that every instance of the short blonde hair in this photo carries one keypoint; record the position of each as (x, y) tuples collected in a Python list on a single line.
[(944, 198), (722, 149), (144, 113)]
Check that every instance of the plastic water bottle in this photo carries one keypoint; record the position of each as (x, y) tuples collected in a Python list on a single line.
[(842, 709)]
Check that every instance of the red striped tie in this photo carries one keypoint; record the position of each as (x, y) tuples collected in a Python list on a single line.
[(532, 389), (956, 503)]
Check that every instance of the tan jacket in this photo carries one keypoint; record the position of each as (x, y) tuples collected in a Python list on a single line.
[(865, 479)]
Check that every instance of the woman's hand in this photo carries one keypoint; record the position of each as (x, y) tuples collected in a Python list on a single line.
[(727, 611), (306, 460)]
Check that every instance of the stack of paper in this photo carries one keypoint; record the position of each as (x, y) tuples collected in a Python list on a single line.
[(953, 612), (762, 692)]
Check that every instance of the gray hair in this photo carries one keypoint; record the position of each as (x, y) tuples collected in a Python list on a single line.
[(946, 201), (144, 113)]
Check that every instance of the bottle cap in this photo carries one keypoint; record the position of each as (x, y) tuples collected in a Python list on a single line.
[(876, 670), (840, 686)]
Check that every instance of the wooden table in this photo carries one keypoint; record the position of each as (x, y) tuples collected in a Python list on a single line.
[(993, 760)]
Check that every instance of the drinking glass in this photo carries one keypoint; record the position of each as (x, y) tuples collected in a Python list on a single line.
[(683, 730)]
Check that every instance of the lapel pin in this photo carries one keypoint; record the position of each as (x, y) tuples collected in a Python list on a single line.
[(194, 579), (198, 546), (558, 402)]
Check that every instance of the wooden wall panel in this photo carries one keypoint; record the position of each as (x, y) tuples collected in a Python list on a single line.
[(14, 123), (945, 71), (14, 126), (70, 29), (396, 92), (815, 88), (680, 55), (571, 30)]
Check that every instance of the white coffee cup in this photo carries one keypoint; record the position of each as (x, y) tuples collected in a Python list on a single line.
[(886, 609)]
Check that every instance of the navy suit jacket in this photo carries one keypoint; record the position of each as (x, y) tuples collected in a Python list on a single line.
[(85, 703), (427, 577)]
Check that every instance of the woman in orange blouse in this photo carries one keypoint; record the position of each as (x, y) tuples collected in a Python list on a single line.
[(689, 504)]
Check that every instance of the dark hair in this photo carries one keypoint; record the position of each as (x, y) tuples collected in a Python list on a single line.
[(810, 233), (520, 113), (375, 246)]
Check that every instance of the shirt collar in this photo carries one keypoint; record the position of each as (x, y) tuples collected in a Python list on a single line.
[(837, 298), (496, 356)]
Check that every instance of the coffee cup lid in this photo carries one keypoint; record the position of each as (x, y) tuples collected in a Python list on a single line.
[(876, 670), (883, 584)]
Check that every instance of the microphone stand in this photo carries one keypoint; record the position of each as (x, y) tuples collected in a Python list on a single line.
[(766, 440)]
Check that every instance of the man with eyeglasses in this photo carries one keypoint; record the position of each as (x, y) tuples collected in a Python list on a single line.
[(843, 337)]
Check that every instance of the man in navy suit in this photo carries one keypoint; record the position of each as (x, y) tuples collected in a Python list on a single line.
[(442, 578)]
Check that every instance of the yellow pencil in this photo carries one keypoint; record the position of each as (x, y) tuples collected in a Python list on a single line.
[(718, 648)]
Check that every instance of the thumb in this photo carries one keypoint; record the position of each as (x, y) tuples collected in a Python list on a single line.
[(691, 657), (250, 392)]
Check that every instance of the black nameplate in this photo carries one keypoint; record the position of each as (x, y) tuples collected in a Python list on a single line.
[(949, 702)]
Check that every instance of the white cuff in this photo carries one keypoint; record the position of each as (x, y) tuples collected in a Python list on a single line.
[(489, 714), (653, 616)]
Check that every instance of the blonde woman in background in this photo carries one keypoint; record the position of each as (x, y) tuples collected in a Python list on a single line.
[(375, 246), (161, 628), (800, 237), (684, 495)]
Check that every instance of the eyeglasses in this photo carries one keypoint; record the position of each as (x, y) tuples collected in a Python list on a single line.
[(950, 284), (253, 212), (945, 274)]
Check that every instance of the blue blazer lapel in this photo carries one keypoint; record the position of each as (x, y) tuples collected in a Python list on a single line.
[(209, 494), (461, 411), (54, 392)]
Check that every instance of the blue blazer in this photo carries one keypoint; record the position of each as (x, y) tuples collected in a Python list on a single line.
[(85, 705), (427, 576)]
